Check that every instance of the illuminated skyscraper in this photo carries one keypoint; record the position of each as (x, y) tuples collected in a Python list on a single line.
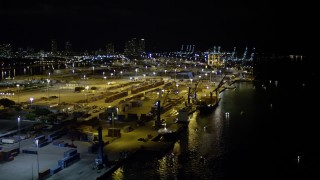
[(131, 47), (141, 46), (134, 47)]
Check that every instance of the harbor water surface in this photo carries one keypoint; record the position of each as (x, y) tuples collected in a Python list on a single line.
[(260, 130)]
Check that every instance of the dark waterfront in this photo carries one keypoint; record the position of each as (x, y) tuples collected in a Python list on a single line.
[(269, 125)]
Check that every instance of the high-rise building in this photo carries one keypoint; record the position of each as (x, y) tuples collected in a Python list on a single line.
[(5, 50), (134, 47), (141, 46), (68, 48), (110, 48), (30, 50), (131, 47), (20, 52), (54, 46)]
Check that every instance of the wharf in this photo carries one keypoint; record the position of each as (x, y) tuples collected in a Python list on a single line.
[(118, 150)]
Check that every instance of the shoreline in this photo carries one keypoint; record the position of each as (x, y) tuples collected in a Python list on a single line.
[(159, 149), (130, 141), (153, 146)]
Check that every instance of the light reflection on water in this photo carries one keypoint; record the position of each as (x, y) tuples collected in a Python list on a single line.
[(251, 139), (118, 174), (192, 155)]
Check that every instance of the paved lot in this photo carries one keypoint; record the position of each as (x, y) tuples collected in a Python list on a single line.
[(25, 166)]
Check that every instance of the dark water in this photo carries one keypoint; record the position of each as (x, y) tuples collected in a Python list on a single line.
[(27, 71), (27, 67), (268, 127)]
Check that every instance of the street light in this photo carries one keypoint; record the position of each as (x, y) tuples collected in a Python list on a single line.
[(48, 80), (117, 113), (175, 74), (165, 72), (120, 74), (112, 118), (210, 75), (31, 99), (136, 71), (19, 131), (59, 93), (87, 88), (18, 93), (37, 142)]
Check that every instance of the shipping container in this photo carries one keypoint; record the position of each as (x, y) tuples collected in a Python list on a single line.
[(56, 143), (55, 170), (9, 141), (41, 137), (114, 132), (67, 161), (30, 151), (70, 152), (44, 174)]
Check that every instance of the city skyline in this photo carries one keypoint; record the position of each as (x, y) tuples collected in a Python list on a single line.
[(115, 89), (133, 44), (164, 25)]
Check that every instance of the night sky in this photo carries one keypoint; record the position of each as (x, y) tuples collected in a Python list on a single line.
[(165, 25)]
